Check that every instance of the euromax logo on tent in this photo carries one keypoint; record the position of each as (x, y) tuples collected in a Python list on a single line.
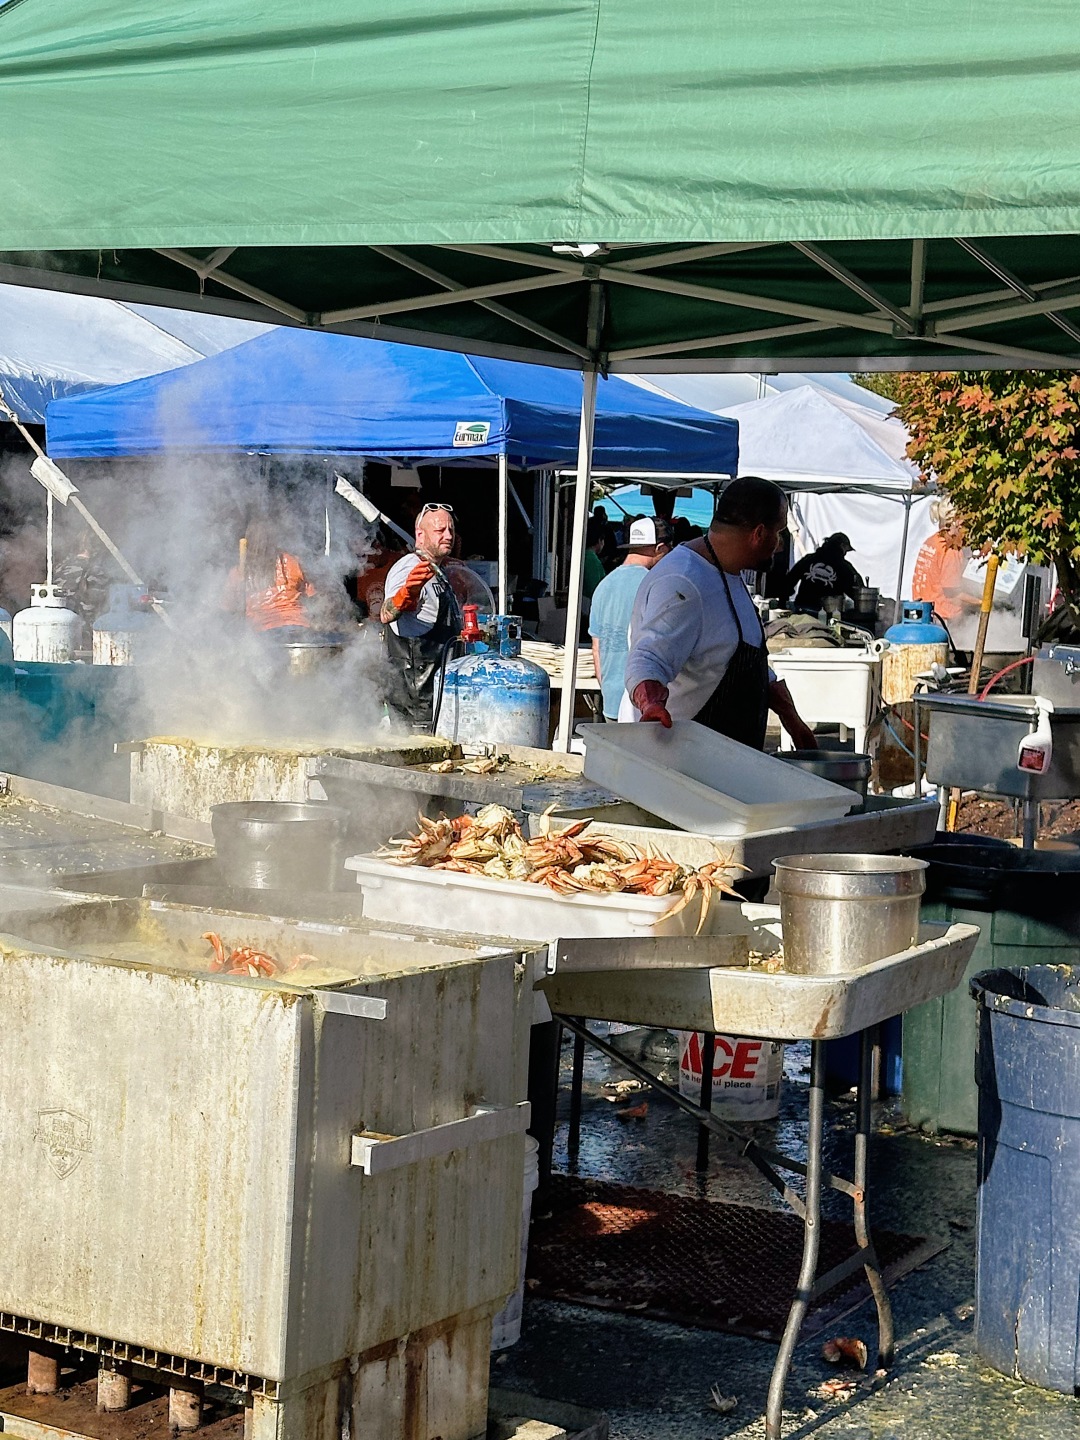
[(471, 432)]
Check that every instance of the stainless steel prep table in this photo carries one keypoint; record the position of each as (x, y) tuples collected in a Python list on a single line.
[(606, 980), (532, 781)]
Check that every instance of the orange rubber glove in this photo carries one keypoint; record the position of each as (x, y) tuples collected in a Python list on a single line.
[(650, 697), (408, 597)]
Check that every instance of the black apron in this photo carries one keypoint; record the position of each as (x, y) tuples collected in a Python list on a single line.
[(417, 659), (739, 706)]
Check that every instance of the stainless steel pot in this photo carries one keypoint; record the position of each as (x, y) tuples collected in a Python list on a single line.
[(308, 655), (280, 845), (842, 767), (841, 912), (865, 600)]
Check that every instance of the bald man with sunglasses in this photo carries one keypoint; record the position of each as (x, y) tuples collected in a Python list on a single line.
[(421, 614)]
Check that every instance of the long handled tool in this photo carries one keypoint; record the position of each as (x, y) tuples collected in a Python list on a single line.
[(976, 667), (58, 487), (371, 512)]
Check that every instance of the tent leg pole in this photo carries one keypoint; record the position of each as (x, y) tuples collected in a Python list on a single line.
[(556, 535), (903, 561), (541, 529), (504, 483), (577, 560)]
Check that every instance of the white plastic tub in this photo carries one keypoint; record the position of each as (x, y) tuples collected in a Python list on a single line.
[(476, 905), (506, 1326), (831, 687), (701, 781)]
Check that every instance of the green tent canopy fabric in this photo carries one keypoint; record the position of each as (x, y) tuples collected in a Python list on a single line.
[(771, 185)]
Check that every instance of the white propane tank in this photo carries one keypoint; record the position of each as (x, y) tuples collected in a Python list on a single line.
[(47, 631), (120, 633)]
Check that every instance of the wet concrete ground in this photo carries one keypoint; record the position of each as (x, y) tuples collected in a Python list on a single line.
[(653, 1380)]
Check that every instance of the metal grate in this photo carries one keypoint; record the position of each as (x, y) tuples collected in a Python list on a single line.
[(692, 1261), (169, 1365)]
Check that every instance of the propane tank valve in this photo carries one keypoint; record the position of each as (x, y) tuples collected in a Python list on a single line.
[(470, 628)]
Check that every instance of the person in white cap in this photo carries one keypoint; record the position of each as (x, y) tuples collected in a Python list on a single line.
[(613, 604)]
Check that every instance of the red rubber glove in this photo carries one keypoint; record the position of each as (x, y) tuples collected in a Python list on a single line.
[(408, 597), (650, 697)]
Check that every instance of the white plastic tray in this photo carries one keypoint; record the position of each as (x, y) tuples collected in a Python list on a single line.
[(475, 905), (701, 781)]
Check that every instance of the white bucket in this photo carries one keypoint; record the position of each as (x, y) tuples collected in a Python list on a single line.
[(746, 1075), (506, 1327)]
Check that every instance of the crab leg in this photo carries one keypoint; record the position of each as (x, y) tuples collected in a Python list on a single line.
[(218, 962)]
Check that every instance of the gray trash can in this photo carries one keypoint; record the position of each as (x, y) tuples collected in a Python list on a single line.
[(1027, 905), (1028, 1267)]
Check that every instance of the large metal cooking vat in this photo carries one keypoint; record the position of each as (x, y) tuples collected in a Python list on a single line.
[(190, 776), (842, 767), (314, 652), (205, 1173)]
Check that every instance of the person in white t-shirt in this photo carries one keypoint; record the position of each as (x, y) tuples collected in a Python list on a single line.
[(421, 614), (697, 647)]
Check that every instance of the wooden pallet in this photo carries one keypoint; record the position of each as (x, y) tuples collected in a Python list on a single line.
[(73, 1415)]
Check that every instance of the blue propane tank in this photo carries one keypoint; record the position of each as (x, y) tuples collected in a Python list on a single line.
[(916, 642), (493, 694), (917, 626)]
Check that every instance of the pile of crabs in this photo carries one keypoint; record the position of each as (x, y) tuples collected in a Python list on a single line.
[(580, 859), (246, 960)]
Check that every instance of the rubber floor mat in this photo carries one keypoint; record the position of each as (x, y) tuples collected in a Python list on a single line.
[(695, 1262)]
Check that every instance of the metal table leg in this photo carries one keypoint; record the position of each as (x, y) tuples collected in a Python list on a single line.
[(774, 1409), (808, 1207), (708, 1059), (871, 1264), (573, 1137)]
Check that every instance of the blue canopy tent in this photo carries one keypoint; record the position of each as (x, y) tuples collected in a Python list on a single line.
[(295, 391), (305, 392)]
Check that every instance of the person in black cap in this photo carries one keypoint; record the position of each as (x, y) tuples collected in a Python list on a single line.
[(826, 574)]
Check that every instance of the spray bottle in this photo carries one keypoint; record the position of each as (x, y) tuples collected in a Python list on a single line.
[(1037, 749)]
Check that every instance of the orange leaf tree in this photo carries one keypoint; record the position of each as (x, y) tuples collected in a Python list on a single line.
[(1004, 445)]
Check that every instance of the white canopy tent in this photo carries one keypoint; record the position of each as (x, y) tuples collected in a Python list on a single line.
[(843, 462), (717, 390), (53, 344), (847, 468)]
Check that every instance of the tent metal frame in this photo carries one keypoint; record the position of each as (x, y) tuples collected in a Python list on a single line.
[(943, 323), (947, 324)]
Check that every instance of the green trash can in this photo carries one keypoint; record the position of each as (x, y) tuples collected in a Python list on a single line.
[(1027, 905)]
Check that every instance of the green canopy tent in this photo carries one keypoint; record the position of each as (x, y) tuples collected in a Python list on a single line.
[(593, 183)]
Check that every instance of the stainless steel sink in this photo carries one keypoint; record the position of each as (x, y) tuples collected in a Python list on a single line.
[(973, 745)]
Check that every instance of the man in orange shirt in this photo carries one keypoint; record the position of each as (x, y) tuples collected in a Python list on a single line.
[(271, 587), (940, 567)]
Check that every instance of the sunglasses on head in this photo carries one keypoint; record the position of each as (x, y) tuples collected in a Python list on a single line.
[(427, 509)]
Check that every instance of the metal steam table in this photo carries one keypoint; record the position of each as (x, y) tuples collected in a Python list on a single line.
[(607, 980)]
